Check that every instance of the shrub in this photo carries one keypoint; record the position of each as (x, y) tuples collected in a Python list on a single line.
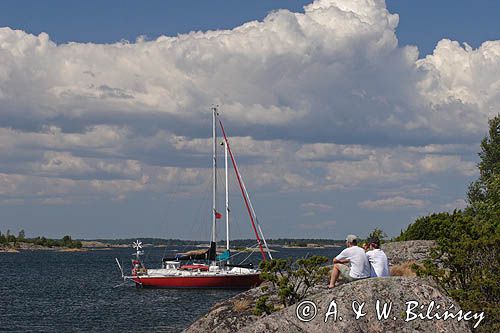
[(262, 307), (466, 260), (292, 280)]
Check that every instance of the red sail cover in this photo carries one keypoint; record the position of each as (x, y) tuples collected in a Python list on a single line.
[(201, 267), (218, 215)]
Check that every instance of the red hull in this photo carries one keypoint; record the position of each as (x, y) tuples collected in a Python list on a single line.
[(226, 282)]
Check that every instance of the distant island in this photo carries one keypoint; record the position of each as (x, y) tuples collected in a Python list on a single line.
[(237, 243), (12, 243)]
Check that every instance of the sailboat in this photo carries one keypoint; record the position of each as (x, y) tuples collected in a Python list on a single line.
[(206, 269)]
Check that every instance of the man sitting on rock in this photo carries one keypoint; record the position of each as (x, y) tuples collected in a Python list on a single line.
[(379, 265), (355, 256)]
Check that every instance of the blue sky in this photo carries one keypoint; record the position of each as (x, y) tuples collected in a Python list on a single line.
[(110, 21), (422, 23), (339, 124)]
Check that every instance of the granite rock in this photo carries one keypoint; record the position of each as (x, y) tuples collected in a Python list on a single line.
[(397, 290), (400, 252)]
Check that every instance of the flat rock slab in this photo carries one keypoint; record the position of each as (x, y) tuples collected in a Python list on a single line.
[(397, 290)]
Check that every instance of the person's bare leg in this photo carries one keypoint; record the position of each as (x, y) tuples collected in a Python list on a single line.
[(334, 277)]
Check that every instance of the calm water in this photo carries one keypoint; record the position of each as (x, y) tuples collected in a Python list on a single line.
[(44, 291)]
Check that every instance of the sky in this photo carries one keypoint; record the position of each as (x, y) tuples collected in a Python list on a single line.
[(343, 115)]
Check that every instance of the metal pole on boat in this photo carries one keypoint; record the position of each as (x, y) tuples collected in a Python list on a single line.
[(120, 267), (245, 196), (214, 165), (227, 197)]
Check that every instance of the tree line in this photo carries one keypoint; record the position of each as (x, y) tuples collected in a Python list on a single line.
[(466, 260), (235, 242), (9, 239)]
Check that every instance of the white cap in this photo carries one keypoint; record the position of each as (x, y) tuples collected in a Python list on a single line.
[(351, 238)]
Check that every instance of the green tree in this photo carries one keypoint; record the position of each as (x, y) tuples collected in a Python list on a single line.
[(466, 260), (483, 194), (41, 241), (21, 236), (66, 241), (3, 239), (292, 280), (10, 238), (261, 306), (377, 233), (434, 226)]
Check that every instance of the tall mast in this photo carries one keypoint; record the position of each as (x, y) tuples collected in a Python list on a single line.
[(227, 197), (214, 169), (242, 191)]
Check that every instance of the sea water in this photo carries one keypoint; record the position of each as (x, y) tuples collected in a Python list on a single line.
[(47, 291)]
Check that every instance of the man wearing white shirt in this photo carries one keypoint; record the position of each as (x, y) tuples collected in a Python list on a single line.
[(379, 265), (359, 266)]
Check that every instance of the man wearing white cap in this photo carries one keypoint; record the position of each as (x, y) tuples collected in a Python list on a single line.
[(354, 256)]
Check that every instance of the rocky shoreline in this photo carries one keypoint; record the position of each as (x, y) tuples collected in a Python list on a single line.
[(86, 246), (236, 314), (8, 250), (22, 246)]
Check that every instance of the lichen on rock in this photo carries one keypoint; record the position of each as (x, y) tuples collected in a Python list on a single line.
[(400, 252), (397, 290), (236, 315)]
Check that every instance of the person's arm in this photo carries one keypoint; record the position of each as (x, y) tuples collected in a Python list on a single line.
[(340, 261), (341, 258)]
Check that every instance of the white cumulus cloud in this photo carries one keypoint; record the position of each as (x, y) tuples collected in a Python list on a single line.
[(320, 100), (393, 203)]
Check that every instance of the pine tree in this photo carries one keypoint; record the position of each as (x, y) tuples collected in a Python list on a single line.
[(485, 192)]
